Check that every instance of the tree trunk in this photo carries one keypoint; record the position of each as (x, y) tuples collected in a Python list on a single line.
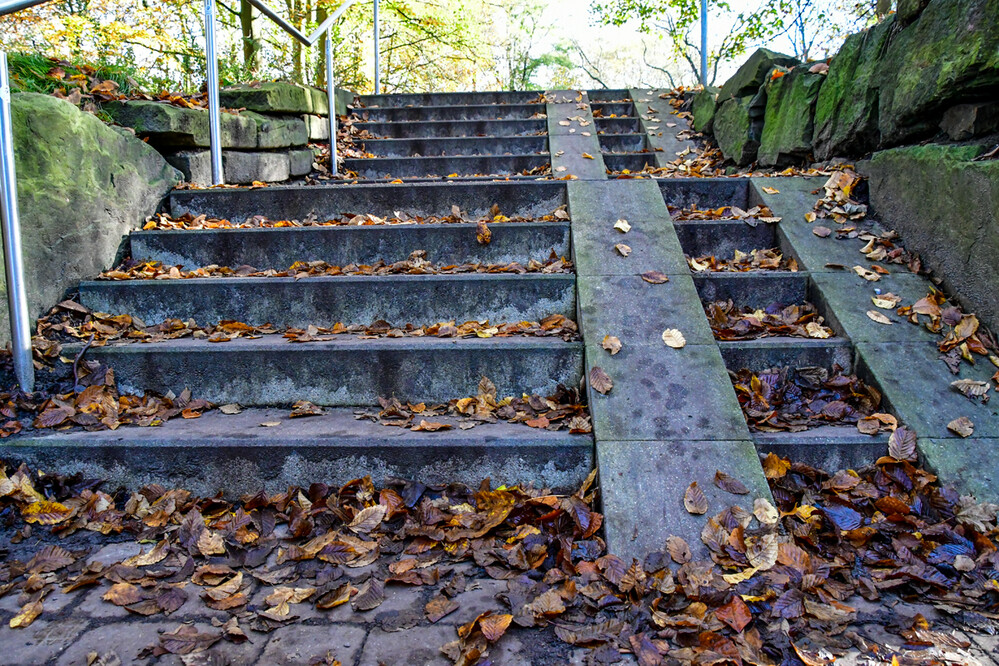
[(251, 38)]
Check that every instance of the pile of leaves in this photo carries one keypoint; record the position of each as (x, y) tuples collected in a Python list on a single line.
[(416, 264), (82, 394), (762, 213), (188, 221), (72, 321), (839, 202), (741, 262), (796, 321), (784, 584), (565, 409), (796, 399)]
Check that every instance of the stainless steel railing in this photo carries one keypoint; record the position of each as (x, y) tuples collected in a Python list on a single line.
[(17, 300)]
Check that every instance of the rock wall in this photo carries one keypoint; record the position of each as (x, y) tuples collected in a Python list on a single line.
[(82, 186), (920, 71), (946, 207), (266, 129)]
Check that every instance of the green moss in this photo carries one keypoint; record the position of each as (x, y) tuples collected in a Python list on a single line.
[(788, 123), (703, 108)]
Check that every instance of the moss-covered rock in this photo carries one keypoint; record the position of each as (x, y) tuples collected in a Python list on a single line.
[(949, 54), (275, 97), (703, 108), (908, 10), (846, 111), (753, 74), (789, 120), (169, 126), (81, 187), (278, 131), (737, 128)]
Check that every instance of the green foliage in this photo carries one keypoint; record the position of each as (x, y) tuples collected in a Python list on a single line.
[(29, 72)]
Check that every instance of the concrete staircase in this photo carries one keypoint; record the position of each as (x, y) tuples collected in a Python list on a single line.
[(672, 416)]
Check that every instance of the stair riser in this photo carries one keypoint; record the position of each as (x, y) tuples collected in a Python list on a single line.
[(444, 243), (455, 128), (705, 192), (722, 239), (833, 453), (446, 99), (633, 163), (418, 167), (485, 112), (613, 108), (343, 374), (602, 95), (756, 289), (622, 143), (530, 199), (618, 125), (430, 147), (400, 300), (758, 355)]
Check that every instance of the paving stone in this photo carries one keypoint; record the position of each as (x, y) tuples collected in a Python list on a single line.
[(478, 597), (300, 162), (662, 139), (115, 639), (596, 206), (967, 464), (637, 312), (40, 642), (572, 147), (916, 384), (297, 644), (662, 393), (643, 484), (116, 552), (419, 646)]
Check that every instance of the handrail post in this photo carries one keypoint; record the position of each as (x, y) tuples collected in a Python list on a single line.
[(377, 54), (17, 298), (214, 119), (331, 98)]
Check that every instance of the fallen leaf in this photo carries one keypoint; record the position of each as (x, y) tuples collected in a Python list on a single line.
[(971, 388), (887, 301), (962, 426), (678, 549), (735, 613), (694, 500), (822, 232), (770, 190), (231, 409), (764, 511), (600, 381), (622, 226), (28, 613), (270, 424), (588, 156), (902, 444), (622, 249), (730, 484), (655, 277), (674, 338), (611, 344), (305, 408), (483, 234), (878, 317)]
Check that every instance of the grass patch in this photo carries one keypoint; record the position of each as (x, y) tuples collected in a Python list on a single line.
[(31, 72)]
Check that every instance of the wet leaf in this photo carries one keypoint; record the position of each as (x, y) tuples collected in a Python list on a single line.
[(694, 500), (730, 484)]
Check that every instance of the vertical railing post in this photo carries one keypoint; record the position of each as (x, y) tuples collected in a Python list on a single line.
[(378, 79), (13, 264), (331, 98), (704, 43), (212, 69)]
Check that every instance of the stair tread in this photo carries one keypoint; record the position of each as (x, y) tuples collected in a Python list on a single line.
[(215, 281)]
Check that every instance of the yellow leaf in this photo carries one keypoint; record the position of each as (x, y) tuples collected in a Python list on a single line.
[(45, 512), (588, 156), (674, 338), (622, 226), (771, 190), (874, 315), (27, 615)]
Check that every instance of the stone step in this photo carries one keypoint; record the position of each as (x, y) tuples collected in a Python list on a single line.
[(529, 199), (324, 301), (455, 128), (608, 95), (235, 455), (345, 371), (756, 289), (462, 165), (444, 243), (448, 99), (764, 353), (616, 109), (430, 147), (705, 192), (633, 162), (623, 143), (829, 447), (628, 125), (721, 238), (466, 112)]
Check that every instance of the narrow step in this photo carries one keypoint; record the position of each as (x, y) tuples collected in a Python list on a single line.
[(779, 352), (757, 289), (345, 371), (340, 245), (633, 162), (612, 109), (455, 128), (623, 143), (609, 95), (448, 99), (825, 447), (618, 125), (705, 192), (527, 199), (432, 147), (466, 112), (463, 165), (349, 299), (236, 455), (721, 238)]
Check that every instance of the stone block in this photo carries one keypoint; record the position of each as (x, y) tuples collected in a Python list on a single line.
[(749, 78), (421, 645), (238, 167), (275, 97), (969, 465), (300, 162), (168, 126), (318, 127), (738, 125), (299, 644), (789, 120), (965, 121), (278, 131), (703, 108)]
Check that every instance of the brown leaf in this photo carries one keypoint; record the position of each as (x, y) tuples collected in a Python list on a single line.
[(494, 626), (962, 426), (305, 408), (879, 317), (600, 381), (483, 234), (439, 607), (655, 277), (123, 594), (369, 596), (430, 426), (822, 232), (735, 613), (368, 519), (186, 639), (730, 484), (611, 343), (694, 500), (678, 549), (902, 444)]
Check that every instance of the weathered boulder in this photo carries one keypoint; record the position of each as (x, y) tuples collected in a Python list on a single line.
[(846, 111), (965, 121), (946, 207), (300, 162), (753, 74), (169, 126), (81, 187), (239, 167), (950, 54), (789, 120), (278, 131), (275, 97), (738, 125), (703, 108), (907, 11)]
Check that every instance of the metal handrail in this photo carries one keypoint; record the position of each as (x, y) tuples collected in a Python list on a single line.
[(17, 300)]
